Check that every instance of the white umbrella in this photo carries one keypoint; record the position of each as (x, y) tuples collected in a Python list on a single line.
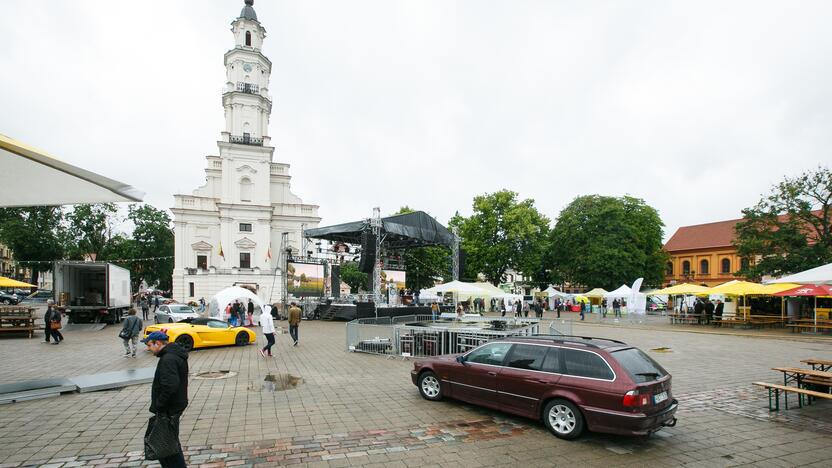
[(34, 178)]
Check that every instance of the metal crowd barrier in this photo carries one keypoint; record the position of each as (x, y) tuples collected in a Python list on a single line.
[(392, 336), (560, 327)]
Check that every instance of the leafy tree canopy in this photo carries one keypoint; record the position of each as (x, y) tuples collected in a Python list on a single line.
[(354, 277), (89, 229), (502, 233), (35, 234), (605, 242), (788, 230), (152, 237)]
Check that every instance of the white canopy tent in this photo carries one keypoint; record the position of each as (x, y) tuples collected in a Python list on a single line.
[(37, 179), (216, 307), (622, 292), (818, 275), (461, 290), (551, 291)]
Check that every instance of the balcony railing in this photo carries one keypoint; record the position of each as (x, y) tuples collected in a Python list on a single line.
[(248, 88), (245, 140)]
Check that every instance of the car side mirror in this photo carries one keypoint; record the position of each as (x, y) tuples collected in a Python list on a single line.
[(460, 359)]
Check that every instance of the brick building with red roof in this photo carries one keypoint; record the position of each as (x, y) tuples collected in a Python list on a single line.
[(703, 254)]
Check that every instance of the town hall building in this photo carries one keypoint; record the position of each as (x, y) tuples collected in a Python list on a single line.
[(230, 231)]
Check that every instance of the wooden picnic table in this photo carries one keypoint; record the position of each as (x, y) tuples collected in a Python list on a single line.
[(818, 364), (799, 375), (678, 317), (17, 319)]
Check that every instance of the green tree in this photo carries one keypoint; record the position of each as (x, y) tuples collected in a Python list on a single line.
[(788, 230), (425, 265), (90, 228), (605, 242), (502, 233), (152, 238), (354, 277), (120, 249), (34, 234)]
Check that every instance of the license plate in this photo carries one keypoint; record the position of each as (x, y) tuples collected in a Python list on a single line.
[(659, 397)]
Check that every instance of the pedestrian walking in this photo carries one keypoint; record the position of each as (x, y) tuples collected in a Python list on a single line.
[(616, 308), (294, 322), (52, 323), (145, 306), (156, 302), (267, 326), (131, 328), (168, 399), (229, 311), (250, 313), (583, 308), (502, 307), (604, 307)]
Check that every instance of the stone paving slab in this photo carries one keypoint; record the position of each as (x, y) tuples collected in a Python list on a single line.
[(722, 421)]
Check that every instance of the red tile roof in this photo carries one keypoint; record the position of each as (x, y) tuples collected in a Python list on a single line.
[(703, 236)]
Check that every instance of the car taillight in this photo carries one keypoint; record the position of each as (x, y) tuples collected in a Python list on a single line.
[(633, 399)]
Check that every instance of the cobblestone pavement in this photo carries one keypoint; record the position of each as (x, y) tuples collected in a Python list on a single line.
[(358, 409)]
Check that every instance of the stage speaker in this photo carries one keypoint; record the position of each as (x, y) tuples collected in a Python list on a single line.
[(368, 252), (336, 281)]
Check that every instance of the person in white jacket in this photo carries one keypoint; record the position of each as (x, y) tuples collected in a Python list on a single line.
[(267, 325)]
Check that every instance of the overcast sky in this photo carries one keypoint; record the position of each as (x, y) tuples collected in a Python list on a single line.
[(697, 107)]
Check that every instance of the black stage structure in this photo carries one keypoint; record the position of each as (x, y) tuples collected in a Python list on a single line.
[(376, 235)]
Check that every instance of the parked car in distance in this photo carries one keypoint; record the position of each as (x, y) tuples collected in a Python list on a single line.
[(38, 297), (9, 298), (170, 313), (571, 383)]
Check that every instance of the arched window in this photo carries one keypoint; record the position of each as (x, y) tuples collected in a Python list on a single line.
[(703, 267), (686, 267), (726, 265), (248, 38), (669, 269), (246, 187), (744, 263)]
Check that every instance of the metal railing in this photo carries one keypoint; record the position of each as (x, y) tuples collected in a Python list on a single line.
[(560, 327), (245, 140), (399, 336), (248, 88)]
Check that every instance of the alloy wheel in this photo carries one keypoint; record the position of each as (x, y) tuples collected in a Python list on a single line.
[(562, 419), (430, 386)]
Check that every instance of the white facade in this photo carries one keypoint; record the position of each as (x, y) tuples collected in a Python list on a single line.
[(246, 203)]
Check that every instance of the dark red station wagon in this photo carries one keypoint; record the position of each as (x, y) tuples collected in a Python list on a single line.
[(572, 383)]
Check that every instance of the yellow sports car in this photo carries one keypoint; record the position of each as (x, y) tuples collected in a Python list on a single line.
[(203, 333)]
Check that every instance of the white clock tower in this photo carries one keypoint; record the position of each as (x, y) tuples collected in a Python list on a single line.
[(229, 231)]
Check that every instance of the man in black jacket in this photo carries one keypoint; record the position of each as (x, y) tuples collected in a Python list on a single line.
[(709, 311), (169, 393)]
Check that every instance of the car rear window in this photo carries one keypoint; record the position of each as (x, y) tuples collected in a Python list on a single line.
[(641, 367), (526, 357), (585, 364), (181, 309)]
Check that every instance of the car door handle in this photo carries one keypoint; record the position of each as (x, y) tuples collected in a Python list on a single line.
[(492, 373), (537, 381)]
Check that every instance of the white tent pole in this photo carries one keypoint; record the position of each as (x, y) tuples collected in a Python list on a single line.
[(816, 314)]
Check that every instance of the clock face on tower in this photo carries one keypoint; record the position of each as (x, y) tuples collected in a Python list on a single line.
[(247, 67)]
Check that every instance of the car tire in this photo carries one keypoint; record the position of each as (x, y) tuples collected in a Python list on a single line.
[(563, 419), (429, 386), (241, 339), (185, 341), (170, 320)]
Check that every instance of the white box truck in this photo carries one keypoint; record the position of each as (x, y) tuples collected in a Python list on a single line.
[(92, 292)]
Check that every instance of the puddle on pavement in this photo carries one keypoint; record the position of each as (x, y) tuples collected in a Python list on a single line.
[(280, 382), (663, 349)]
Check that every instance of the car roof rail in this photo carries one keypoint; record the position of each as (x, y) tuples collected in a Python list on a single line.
[(576, 338)]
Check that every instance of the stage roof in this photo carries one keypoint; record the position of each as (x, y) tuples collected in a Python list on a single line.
[(416, 229)]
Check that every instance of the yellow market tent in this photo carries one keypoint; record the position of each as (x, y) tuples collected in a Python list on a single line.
[(679, 289), (10, 283), (737, 288), (775, 288), (597, 292)]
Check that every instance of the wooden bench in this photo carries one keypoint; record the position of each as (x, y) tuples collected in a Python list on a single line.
[(807, 326), (17, 319), (818, 364), (775, 389)]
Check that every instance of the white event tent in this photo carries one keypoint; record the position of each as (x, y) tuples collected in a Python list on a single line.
[(818, 275), (216, 307)]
